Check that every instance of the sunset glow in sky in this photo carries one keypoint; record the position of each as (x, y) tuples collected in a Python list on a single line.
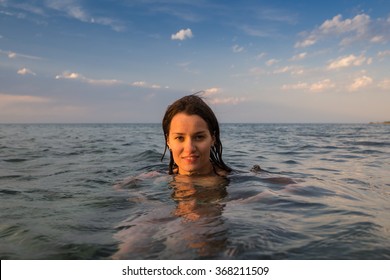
[(257, 61)]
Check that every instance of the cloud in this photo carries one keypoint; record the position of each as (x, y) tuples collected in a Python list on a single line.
[(256, 31), (360, 82), (293, 70), (70, 75), (378, 39), (321, 85), (212, 91), (296, 86), (360, 27), (13, 55), (237, 49), (182, 34), (309, 41), (385, 84), (73, 10), (257, 71), (271, 62), (299, 56), (76, 76), (25, 71), (7, 99), (347, 61), (313, 87), (261, 55), (227, 100), (336, 25), (145, 85), (104, 82), (382, 54)]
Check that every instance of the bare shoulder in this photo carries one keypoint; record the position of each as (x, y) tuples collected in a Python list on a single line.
[(131, 180), (221, 172)]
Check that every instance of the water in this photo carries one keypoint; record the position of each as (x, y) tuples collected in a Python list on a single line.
[(100, 192)]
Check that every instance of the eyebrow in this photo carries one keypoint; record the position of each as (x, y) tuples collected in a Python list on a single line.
[(198, 132)]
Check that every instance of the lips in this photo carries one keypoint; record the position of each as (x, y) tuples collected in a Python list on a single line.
[(190, 158)]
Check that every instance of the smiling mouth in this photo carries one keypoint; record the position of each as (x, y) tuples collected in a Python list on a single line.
[(190, 158)]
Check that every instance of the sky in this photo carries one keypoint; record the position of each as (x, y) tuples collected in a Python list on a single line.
[(98, 61)]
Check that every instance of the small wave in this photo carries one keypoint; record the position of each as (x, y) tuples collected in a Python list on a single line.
[(148, 155), (11, 230), (6, 177), (9, 192), (291, 162), (15, 160), (311, 191), (372, 143)]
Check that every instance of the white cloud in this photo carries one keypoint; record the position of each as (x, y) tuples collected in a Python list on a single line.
[(336, 25), (378, 39), (271, 62), (347, 61), (144, 84), (350, 30), (13, 55), (309, 41), (104, 82), (261, 55), (385, 84), (182, 34), (313, 87), (227, 100), (237, 49), (212, 91), (139, 84), (360, 82), (70, 75), (256, 71), (293, 70), (76, 76), (8, 99), (321, 85), (382, 54), (25, 71), (296, 86), (73, 10), (281, 70), (299, 56)]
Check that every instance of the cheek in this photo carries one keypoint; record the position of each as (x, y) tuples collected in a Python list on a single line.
[(206, 148), (176, 150)]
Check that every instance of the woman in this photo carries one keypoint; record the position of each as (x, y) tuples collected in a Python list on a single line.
[(191, 133)]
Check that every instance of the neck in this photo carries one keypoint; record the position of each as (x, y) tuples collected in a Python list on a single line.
[(210, 170)]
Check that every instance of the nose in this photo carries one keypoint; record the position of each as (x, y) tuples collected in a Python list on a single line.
[(189, 146)]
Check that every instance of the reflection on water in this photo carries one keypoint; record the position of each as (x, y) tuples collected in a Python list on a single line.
[(192, 222)]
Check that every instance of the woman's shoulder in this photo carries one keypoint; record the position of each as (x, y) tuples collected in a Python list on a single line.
[(132, 180), (222, 172)]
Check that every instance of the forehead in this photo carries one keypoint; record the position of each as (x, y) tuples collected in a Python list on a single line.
[(183, 123)]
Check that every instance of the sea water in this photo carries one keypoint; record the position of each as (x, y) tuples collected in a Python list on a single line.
[(100, 191)]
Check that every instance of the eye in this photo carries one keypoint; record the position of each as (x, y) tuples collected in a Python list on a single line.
[(200, 137), (179, 138)]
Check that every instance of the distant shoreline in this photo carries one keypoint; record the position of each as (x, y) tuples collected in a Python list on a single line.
[(386, 122)]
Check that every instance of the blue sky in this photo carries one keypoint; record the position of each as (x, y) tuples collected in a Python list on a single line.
[(257, 61)]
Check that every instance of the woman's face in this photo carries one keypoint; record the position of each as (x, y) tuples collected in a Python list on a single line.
[(190, 142)]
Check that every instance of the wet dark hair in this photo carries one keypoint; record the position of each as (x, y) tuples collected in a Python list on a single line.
[(194, 105)]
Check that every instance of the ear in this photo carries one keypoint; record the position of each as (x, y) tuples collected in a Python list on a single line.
[(169, 148)]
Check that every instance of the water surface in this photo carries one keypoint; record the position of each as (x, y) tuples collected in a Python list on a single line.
[(99, 191)]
